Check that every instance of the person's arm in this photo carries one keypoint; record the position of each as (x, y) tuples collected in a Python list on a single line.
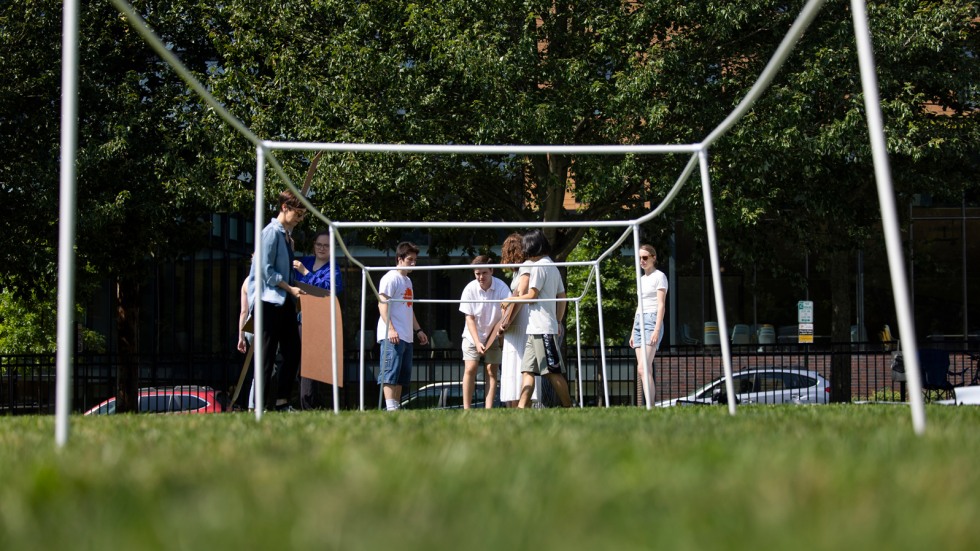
[(242, 316), (530, 294), (270, 276), (301, 269), (423, 338), (510, 310), (661, 306), (294, 291), (474, 333), (383, 309)]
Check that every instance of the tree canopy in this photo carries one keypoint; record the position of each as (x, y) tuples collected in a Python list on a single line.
[(154, 162)]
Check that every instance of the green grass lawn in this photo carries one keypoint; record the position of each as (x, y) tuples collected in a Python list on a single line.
[(833, 477)]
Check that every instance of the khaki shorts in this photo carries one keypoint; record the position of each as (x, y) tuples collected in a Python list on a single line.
[(541, 355), (492, 356)]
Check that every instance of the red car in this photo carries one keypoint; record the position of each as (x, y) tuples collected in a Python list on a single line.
[(175, 399)]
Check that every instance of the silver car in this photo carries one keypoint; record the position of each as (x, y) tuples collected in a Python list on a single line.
[(764, 385), (448, 395)]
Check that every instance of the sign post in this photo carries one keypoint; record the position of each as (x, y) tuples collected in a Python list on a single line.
[(804, 317)]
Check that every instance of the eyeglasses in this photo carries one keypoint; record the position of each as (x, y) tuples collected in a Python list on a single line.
[(644, 257), (321, 245), (301, 212)]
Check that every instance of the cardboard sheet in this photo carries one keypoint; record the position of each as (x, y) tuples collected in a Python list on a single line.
[(319, 341)]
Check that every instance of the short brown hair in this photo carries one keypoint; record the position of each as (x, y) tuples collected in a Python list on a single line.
[(406, 248), (482, 259), (288, 199)]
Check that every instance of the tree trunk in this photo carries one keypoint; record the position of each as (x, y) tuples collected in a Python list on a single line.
[(840, 331), (127, 318)]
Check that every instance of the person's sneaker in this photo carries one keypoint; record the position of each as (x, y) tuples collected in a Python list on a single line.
[(285, 407)]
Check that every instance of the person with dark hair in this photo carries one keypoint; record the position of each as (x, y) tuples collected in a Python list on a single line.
[(397, 326), (481, 323), (653, 285), (541, 351), (315, 270), (278, 301)]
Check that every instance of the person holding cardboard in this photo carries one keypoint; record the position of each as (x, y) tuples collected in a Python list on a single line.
[(479, 335)]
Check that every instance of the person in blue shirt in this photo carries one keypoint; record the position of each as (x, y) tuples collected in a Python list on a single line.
[(315, 270)]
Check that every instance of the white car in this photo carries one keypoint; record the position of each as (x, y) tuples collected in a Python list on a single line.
[(765, 385)]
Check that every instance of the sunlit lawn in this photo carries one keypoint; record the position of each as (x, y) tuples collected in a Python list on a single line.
[(827, 477)]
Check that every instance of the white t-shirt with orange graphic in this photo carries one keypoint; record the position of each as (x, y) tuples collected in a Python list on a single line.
[(397, 286)]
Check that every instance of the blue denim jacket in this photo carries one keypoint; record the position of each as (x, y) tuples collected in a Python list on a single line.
[(276, 262)]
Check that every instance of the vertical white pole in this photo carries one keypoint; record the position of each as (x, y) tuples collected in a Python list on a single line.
[(258, 358), (361, 338), (578, 355), (643, 331), (66, 228), (709, 226), (889, 213), (602, 334), (333, 322)]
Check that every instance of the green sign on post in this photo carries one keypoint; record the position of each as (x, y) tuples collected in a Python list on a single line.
[(804, 316)]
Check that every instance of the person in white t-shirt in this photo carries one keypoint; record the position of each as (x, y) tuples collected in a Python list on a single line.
[(542, 355), (481, 323), (653, 285), (397, 327)]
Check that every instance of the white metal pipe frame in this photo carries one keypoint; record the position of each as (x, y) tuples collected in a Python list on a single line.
[(265, 149)]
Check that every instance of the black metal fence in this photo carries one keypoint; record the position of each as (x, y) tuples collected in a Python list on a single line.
[(27, 382)]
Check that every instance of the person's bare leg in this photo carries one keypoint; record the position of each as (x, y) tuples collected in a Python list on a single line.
[(527, 389), (560, 385), (469, 382), (393, 392), (645, 375), (491, 387)]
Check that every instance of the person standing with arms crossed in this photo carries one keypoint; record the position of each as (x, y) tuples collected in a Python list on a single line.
[(398, 326), (541, 352), (653, 285), (481, 323)]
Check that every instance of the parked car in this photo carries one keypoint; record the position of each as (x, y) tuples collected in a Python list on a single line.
[(445, 396), (767, 385), (177, 399)]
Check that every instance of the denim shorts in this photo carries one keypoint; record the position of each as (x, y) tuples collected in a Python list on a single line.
[(649, 323), (396, 363)]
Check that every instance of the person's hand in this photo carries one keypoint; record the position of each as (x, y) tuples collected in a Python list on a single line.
[(631, 342), (481, 349), (299, 267), (392, 335), (242, 345), (296, 292), (423, 338)]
